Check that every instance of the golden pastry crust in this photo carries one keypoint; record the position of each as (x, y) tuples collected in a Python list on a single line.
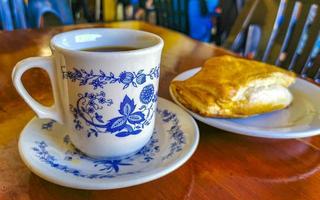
[(230, 87)]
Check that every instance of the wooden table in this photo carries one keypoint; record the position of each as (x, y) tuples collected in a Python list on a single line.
[(225, 165)]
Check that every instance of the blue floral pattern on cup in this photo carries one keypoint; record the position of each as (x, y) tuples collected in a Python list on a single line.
[(146, 94), (110, 168), (98, 80), (127, 120), (131, 120), (88, 106)]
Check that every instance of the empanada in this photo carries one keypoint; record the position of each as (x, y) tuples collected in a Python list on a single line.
[(231, 87)]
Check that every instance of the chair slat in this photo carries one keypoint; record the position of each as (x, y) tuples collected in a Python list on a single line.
[(252, 42), (236, 35), (311, 40), (168, 5), (292, 24), (278, 22), (179, 16), (239, 5), (5, 16), (304, 35), (310, 61), (317, 76), (290, 34)]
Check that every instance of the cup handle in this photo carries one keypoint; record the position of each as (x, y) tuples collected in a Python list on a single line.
[(53, 112)]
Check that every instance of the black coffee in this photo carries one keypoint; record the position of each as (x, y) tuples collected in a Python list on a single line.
[(109, 49)]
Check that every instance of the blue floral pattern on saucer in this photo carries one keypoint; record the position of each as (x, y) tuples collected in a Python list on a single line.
[(110, 168), (45, 147)]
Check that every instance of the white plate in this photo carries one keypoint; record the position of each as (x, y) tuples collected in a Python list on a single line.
[(45, 148), (301, 119)]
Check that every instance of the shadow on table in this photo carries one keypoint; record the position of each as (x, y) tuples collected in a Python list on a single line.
[(245, 165)]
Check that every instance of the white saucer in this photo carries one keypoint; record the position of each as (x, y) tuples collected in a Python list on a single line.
[(301, 119), (46, 150)]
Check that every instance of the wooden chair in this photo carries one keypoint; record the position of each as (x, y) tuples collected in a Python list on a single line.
[(290, 34), (14, 14), (38, 8)]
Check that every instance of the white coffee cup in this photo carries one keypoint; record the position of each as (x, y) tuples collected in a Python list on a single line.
[(106, 100)]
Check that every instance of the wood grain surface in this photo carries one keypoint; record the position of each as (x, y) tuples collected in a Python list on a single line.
[(225, 165)]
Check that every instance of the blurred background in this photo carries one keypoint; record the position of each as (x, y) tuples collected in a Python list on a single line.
[(281, 32), (203, 20)]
